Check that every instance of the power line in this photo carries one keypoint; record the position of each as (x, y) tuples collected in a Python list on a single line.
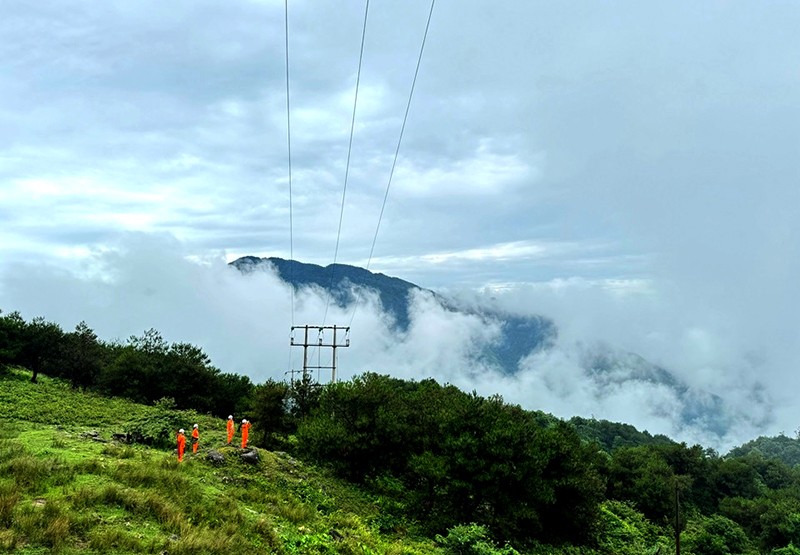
[(289, 150), (397, 149), (347, 165)]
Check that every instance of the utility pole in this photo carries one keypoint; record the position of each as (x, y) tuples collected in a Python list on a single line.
[(341, 338), (677, 519)]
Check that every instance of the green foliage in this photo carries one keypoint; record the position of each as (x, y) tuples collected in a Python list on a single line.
[(614, 435), (640, 476), (459, 457), (304, 397), (781, 447), (716, 535), (144, 369), (269, 413), (79, 495), (772, 473), (623, 530), (736, 478), (12, 328), (471, 539), (788, 550), (772, 521), (82, 356), (158, 428), (9, 497), (41, 346), (431, 456)]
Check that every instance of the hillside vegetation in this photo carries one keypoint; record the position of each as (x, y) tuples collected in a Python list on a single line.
[(372, 465), (64, 490)]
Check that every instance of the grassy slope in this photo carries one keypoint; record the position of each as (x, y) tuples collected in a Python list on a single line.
[(62, 491)]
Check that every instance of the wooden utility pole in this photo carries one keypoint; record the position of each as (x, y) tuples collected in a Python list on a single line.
[(677, 519), (341, 338)]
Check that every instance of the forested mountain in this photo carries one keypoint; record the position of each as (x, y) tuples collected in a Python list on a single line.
[(520, 335)]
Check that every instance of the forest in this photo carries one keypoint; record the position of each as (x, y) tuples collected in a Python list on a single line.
[(479, 474)]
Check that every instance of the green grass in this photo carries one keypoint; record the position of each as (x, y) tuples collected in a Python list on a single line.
[(63, 492)]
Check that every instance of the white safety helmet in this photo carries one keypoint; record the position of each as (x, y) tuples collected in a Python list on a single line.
[(195, 426), (244, 420), (230, 417), (180, 431)]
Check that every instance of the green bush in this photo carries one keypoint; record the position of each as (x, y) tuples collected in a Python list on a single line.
[(471, 539), (9, 497), (788, 550), (159, 427), (716, 535), (623, 530)]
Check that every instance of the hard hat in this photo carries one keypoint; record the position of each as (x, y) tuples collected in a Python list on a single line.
[(180, 431), (195, 426), (230, 417), (244, 420)]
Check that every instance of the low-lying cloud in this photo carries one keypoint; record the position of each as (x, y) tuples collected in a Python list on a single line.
[(723, 391)]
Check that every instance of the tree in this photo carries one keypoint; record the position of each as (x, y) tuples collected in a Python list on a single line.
[(304, 396), (82, 356), (42, 345), (270, 412), (641, 476), (186, 375), (232, 394), (127, 375), (459, 457), (716, 535), (12, 328)]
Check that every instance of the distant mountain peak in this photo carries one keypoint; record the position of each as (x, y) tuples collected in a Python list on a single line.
[(520, 334), (339, 280)]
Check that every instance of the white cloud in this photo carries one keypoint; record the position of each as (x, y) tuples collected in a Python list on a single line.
[(486, 172)]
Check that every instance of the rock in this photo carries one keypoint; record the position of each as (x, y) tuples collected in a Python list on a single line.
[(250, 456), (335, 535), (215, 457)]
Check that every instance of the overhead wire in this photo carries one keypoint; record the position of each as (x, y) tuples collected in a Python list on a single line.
[(349, 153), (289, 153), (347, 165), (396, 151)]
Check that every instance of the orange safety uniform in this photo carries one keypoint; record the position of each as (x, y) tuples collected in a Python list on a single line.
[(181, 446), (245, 433), (195, 440), (230, 430)]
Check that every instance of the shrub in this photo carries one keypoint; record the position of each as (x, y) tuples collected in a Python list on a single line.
[(471, 539), (9, 497), (788, 550)]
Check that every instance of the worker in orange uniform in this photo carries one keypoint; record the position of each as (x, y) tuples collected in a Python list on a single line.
[(245, 432), (195, 439), (230, 429), (181, 444)]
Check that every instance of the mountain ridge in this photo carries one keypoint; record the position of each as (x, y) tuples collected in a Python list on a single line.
[(605, 368)]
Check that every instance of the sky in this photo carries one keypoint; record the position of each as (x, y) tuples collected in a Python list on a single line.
[(629, 170)]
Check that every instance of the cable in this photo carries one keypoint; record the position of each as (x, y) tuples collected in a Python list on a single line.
[(289, 150), (397, 150), (347, 165)]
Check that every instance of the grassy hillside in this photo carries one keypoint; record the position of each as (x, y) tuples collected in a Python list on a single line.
[(63, 490)]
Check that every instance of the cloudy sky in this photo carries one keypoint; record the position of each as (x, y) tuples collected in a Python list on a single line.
[(629, 170)]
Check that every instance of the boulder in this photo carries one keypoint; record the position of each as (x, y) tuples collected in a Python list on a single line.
[(215, 457), (250, 456)]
